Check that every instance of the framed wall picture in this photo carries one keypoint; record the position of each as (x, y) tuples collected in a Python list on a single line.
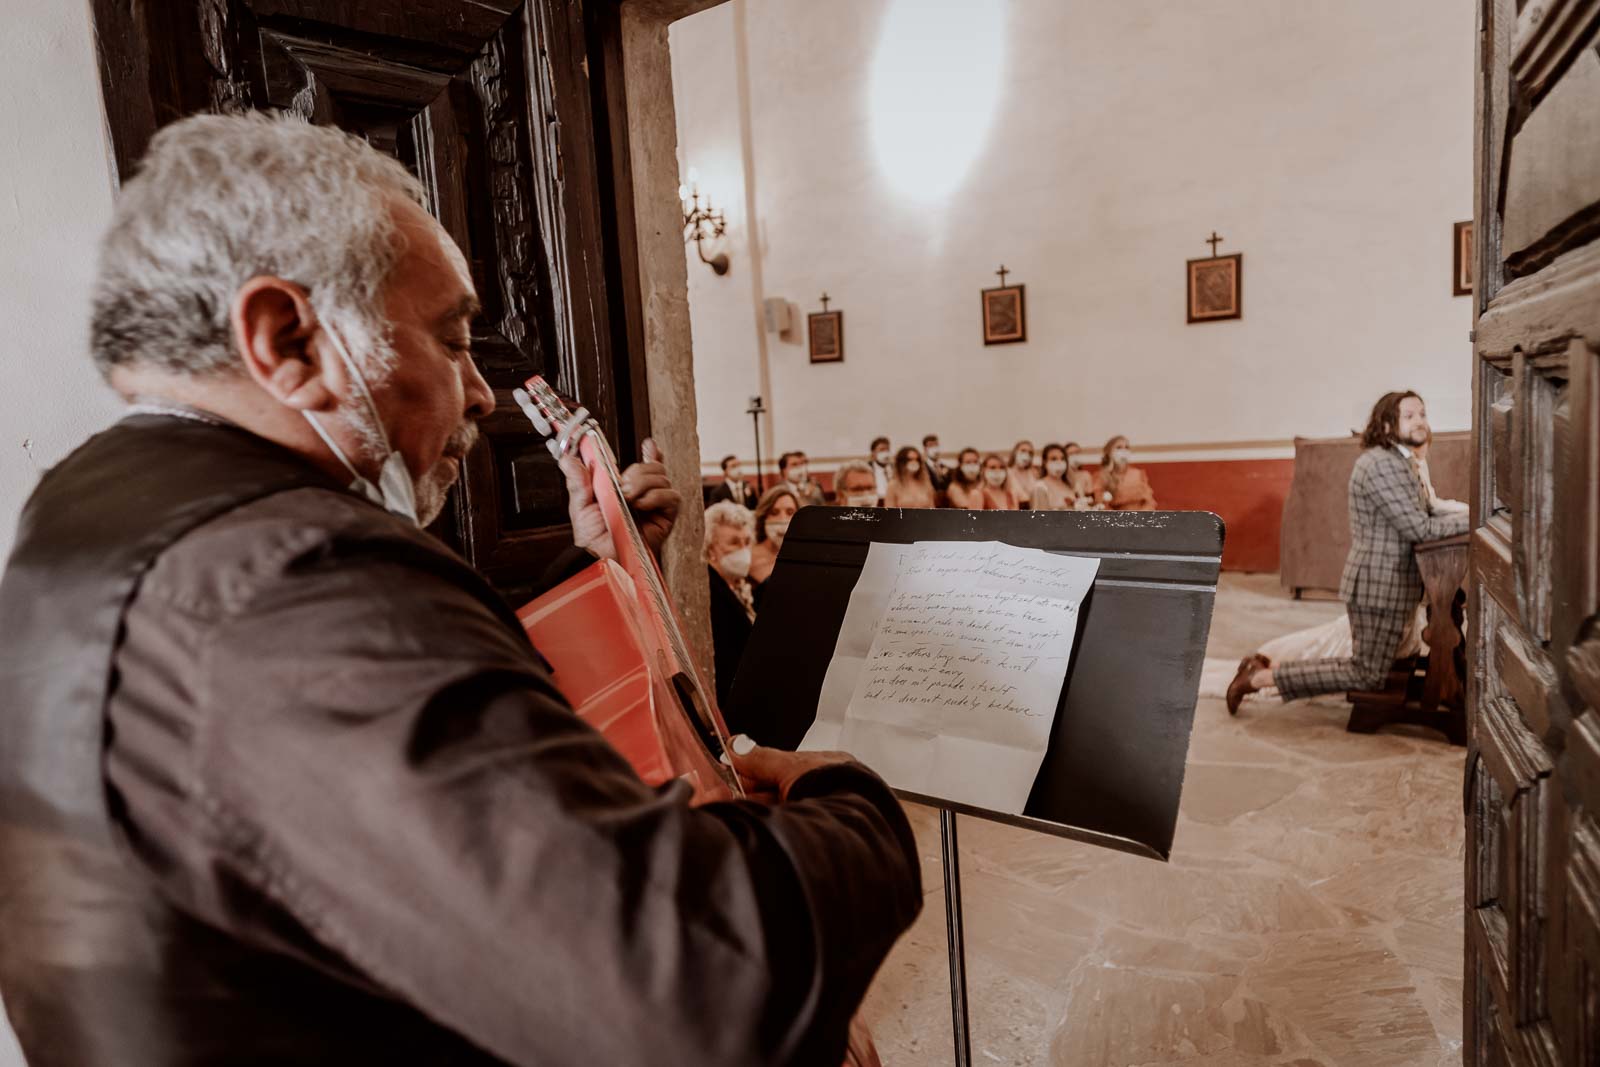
[(1005, 315), (1216, 288), (1462, 280), (825, 329)]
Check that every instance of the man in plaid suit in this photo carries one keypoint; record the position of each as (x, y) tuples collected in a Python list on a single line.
[(1390, 511)]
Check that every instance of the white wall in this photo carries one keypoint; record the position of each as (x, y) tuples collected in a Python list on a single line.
[(1330, 142), (55, 196)]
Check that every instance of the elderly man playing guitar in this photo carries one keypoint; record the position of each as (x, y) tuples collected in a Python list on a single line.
[(282, 780)]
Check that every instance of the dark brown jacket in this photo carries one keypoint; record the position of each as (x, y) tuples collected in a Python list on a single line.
[(281, 781)]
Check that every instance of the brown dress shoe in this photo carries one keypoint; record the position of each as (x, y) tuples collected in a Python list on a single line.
[(1240, 687)]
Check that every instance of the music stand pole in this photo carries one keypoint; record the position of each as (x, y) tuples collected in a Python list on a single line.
[(754, 411), (953, 930)]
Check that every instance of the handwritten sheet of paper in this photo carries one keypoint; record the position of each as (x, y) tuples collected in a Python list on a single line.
[(949, 667)]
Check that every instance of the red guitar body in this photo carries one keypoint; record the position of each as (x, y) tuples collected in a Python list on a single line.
[(614, 643)]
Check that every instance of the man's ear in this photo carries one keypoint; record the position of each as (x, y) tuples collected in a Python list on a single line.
[(273, 325)]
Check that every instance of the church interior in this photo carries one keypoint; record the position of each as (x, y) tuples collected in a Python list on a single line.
[(917, 256)]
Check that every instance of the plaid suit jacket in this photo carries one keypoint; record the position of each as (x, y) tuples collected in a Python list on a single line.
[(1388, 516)]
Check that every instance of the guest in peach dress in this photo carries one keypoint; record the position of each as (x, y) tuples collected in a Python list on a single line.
[(909, 485), (966, 482), (1118, 486), (1053, 492), (998, 495)]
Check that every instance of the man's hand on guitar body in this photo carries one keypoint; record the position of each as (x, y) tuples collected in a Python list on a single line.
[(646, 488), (768, 773)]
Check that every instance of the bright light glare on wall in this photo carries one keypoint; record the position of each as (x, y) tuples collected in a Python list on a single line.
[(933, 92)]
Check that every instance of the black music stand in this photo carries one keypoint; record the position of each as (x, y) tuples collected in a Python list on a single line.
[(1113, 771)]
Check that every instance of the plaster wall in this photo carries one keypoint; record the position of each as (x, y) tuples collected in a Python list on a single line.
[(1328, 142), (55, 198)]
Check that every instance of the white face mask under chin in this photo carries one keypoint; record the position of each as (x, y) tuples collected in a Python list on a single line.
[(395, 491)]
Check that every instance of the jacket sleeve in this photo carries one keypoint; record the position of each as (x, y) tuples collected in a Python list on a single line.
[(1398, 494), (385, 764)]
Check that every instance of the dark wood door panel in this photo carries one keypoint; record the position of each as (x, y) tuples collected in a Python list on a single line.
[(1532, 986), (489, 104)]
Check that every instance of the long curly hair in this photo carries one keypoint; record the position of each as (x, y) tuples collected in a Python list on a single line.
[(1110, 476), (1383, 425)]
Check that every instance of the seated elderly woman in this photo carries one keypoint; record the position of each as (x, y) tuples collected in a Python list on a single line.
[(730, 531)]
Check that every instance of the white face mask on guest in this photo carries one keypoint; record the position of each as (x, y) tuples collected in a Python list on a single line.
[(996, 477), (882, 457), (861, 500), (969, 470), (735, 565), (1056, 467), (796, 475), (1075, 460), (1024, 459), (913, 467), (1120, 456), (776, 530)]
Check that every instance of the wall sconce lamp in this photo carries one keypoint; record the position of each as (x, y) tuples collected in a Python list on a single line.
[(702, 223)]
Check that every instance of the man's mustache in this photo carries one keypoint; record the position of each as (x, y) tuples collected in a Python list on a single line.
[(461, 441)]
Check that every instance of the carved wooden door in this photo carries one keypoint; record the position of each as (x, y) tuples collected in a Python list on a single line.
[(1532, 992), (505, 110)]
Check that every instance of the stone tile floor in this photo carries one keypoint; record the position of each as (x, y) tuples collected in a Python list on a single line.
[(1311, 913)]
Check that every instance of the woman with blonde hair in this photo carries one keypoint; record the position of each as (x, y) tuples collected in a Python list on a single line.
[(998, 494), (966, 482), (1119, 487), (730, 530), (1021, 474), (773, 513), (1053, 492), (909, 485)]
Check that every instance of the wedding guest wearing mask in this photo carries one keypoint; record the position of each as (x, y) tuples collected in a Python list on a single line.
[(1118, 486), (733, 486), (777, 507), (998, 495), (882, 460), (796, 474), (938, 468), (1053, 492), (1021, 474), (854, 486), (1081, 480), (966, 482), (730, 532), (910, 487)]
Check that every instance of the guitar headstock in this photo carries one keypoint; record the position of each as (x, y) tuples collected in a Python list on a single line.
[(551, 416)]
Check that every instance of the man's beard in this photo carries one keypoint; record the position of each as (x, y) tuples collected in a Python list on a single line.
[(434, 487)]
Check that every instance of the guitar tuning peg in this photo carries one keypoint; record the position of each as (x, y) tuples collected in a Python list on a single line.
[(525, 402)]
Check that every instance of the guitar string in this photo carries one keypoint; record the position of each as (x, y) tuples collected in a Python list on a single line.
[(653, 580)]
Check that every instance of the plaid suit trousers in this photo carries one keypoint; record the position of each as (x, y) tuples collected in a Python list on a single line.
[(1376, 634), (1381, 586)]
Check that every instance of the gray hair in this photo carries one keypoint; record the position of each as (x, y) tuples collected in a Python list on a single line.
[(851, 466), (728, 513), (220, 199)]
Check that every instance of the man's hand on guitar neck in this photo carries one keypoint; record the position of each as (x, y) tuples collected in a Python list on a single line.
[(645, 487)]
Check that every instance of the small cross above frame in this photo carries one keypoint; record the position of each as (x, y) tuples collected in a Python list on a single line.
[(1002, 272), (1213, 241), (825, 301)]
